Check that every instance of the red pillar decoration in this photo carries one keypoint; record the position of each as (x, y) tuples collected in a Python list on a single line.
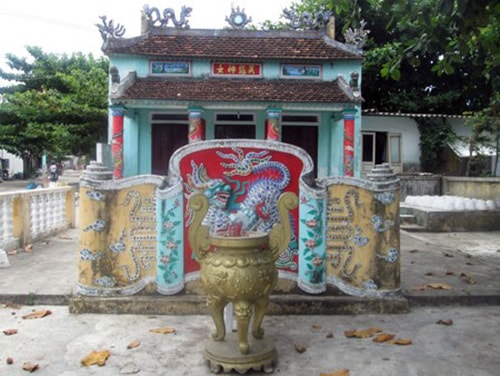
[(117, 141), (196, 125), (273, 131), (348, 161)]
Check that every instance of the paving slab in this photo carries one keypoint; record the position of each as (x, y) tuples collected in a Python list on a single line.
[(58, 342)]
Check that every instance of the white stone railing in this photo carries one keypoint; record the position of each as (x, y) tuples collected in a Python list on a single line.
[(30, 215)]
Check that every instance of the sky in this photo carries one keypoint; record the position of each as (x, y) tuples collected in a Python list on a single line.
[(67, 26)]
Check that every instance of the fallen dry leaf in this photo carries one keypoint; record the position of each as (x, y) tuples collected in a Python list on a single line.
[(413, 250), (447, 322), (166, 330), (28, 248), (340, 372), (9, 332), (300, 347), (439, 286), (469, 263), (420, 288), (466, 277), (12, 252), (37, 314), (96, 357), (9, 361), (448, 255), (316, 326), (400, 341), (134, 344), (429, 273), (366, 333), (329, 335), (30, 367), (450, 272), (383, 337)]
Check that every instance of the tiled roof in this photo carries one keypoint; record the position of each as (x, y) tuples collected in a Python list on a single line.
[(236, 90), (241, 45)]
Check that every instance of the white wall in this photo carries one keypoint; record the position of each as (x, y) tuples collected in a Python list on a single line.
[(15, 163), (410, 136)]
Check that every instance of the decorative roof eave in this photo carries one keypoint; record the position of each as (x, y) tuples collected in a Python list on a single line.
[(121, 42), (349, 89), (373, 112), (119, 88), (221, 105), (351, 48), (234, 90)]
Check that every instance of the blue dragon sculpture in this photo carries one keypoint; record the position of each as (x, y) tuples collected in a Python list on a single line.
[(155, 18)]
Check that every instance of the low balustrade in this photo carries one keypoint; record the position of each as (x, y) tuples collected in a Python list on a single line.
[(30, 215)]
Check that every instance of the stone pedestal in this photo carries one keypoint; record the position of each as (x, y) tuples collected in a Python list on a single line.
[(224, 356)]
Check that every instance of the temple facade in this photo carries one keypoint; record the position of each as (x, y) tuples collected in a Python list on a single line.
[(174, 85), (243, 117)]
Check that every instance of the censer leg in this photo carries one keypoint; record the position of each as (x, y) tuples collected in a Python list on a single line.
[(260, 310), (243, 311), (216, 308)]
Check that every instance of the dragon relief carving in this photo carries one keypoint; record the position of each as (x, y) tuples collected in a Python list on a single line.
[(156, 18), (250, 205), (318, 20)]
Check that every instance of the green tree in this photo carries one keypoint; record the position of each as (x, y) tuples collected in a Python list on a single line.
[(424, 56), (57, 104), (432, 56)]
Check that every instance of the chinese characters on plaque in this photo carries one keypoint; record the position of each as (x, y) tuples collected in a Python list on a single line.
[(236, 69)]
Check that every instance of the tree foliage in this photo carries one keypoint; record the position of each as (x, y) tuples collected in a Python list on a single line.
[(432, 56), (56, 104), (427, 56)]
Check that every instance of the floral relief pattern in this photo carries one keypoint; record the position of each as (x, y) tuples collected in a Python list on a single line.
[(312, 213), (168, 257)]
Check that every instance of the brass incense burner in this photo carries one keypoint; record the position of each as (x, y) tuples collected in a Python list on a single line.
[(240, 270)]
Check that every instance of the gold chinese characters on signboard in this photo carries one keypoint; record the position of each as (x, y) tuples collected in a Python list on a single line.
[(236, 69)]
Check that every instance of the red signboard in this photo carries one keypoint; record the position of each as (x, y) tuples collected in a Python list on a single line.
[(236, 69)]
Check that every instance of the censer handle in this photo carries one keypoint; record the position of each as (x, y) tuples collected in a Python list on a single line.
[(198, 234), (280, 235)]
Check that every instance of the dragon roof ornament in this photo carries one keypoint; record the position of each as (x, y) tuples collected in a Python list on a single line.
[(155, 18), (238, 18), (108, 30), (356, 36), (318, 20)]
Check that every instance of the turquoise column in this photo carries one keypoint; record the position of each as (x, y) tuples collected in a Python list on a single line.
[(170, 244), (312, 242)]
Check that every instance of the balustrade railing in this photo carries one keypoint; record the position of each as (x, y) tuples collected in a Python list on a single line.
[(30, 215)]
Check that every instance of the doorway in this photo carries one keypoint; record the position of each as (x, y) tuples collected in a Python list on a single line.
[(168, 133), (302, 131)]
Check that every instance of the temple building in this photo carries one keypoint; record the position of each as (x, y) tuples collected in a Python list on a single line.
[(173, 85)]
